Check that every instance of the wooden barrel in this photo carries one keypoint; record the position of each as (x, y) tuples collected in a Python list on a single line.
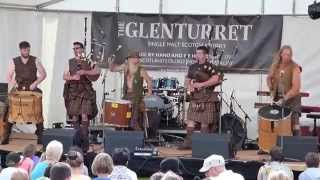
[(3, 111)]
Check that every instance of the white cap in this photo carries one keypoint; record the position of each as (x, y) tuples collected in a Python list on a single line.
[(212, 161)]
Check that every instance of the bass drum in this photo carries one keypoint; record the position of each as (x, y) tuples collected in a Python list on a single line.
[(233, 124), (274, 121)]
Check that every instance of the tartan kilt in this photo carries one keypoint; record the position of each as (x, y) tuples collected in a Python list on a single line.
[(208, 115)]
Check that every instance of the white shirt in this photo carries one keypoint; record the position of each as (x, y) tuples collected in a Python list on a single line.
[(228, 175), (265, 170), (310, 174), (7, 173), (122, 173)]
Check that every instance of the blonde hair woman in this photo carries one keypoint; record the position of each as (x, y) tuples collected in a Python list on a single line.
[(102, 166)]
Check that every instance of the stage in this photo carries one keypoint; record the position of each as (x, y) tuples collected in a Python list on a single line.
[(246, 162)]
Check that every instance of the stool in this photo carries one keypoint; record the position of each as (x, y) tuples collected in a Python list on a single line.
[(314, 117)]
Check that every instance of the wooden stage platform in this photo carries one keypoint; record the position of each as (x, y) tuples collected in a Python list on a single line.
[(19, 140)]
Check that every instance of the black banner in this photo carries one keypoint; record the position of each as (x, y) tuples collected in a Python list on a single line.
[(242, 44)]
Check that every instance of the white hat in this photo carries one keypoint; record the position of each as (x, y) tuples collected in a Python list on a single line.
[(212, 161)]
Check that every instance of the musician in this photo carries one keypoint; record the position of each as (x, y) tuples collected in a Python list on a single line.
[(204, 103), (25, 73), (134, 75), (80, 97), (284, 83)]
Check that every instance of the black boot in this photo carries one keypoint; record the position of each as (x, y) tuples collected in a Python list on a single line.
[(39, 132), (7, 132)]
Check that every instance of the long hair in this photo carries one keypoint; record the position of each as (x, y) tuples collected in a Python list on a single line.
[(277, 56)]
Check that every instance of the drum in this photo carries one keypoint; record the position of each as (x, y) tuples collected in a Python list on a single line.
[(168, 84), (155, 84), (274, 121), (3, 110), (160, 103), (117, 113), (25, 107)]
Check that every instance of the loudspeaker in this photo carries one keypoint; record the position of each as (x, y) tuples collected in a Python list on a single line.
[(65, 136), (204, 145), (122, 139), (296, 147)]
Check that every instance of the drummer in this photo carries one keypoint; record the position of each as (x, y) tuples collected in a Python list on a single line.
[(25, 73), (134, 75), (284, 83)]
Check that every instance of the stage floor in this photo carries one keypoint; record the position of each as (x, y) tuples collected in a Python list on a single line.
[(243, 155)]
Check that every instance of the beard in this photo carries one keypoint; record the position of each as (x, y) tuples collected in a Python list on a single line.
[(25, 55)]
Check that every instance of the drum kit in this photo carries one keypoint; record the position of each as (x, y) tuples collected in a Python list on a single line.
[(166, 102)]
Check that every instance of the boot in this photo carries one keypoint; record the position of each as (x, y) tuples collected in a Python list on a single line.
[(187, 144), (39, 132), (7, 132)]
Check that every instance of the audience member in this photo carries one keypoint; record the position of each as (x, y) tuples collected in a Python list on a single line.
[(313, 170), (170, 164), (120, 159), (27, 162), (52, 155), (214, 168), (12, 162), (274, 165), (279, 175), (102, 166), (171, 176), (157, 176), (84, 167), (60, 171), (75, 160), (19, 174)]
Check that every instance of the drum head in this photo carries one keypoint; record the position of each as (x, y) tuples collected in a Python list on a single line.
[(274, 112), (118, 101), (153, 101)]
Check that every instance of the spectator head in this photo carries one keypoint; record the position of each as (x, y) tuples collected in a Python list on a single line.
[(276, 154), (278, 175), (60, 171), (312, 160), (102, 164), (121, 156), (157, 176), (13, 159), (29, 150), (171, 176), (19, 174), (170, 164), (74, 159), (213, 165), (54, 151)]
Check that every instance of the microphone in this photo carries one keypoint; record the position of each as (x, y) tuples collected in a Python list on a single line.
[(231, 105)]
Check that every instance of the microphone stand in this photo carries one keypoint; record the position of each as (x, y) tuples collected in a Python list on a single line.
[(219, 67)]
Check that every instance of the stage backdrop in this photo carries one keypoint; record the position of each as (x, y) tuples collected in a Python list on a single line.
[(242, 44)]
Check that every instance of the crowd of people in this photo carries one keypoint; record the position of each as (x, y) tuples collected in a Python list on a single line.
[(54, 165)]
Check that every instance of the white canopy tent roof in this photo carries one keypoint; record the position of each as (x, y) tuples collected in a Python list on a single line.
[(205, 7)]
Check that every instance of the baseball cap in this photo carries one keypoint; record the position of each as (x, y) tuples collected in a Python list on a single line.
[(212, 161)]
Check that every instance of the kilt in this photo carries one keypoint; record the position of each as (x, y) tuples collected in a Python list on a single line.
[(80, 99), (204, 107), (207, 115), (137, 109)]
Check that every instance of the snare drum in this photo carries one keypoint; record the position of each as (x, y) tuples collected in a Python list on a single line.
[(117, 113), (274, 121), (25, 107)]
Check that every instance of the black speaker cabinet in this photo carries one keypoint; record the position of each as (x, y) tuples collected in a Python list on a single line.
[(122, 139), (204, 145), (296, 147), (65, 136)]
